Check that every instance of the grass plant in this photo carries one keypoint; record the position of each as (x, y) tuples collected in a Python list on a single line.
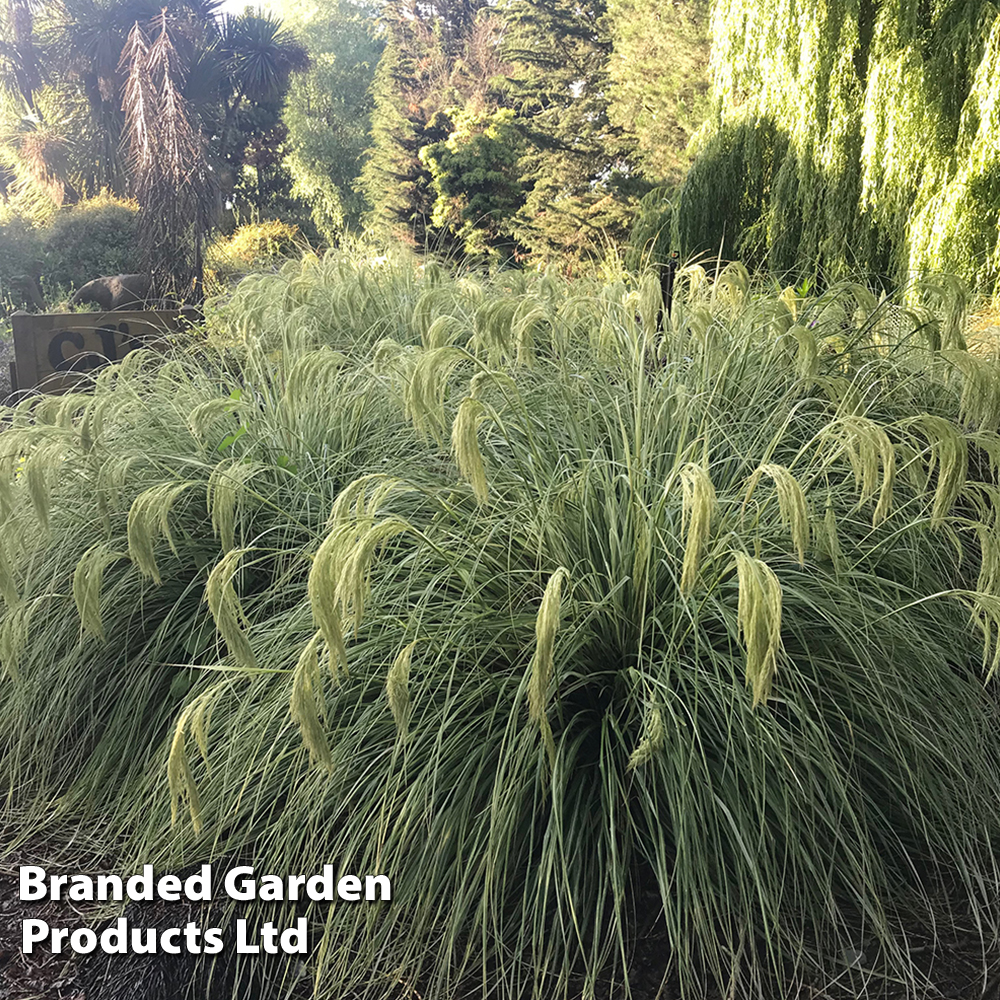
[(569, 624)]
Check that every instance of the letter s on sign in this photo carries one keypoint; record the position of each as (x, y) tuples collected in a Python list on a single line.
[(247, 889)]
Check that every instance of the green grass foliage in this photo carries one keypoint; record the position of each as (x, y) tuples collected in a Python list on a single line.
[(570, 626)]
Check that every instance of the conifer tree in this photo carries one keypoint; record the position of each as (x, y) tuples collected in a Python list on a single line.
[(423, 73), (578, 168)]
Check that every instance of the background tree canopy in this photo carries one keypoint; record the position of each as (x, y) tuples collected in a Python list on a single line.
[(813, 140), (851, 136)]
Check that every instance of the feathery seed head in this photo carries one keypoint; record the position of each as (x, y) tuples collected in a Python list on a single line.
[(306, 703), (179, 776), (653, 738), (759, 617), (465, 445), (226, 609), (87, 579), (148, 521), (698, 505), (792, 507), (397, 688), (543, 662)]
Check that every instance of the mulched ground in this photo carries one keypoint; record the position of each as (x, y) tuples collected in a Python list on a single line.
[(955, 969)]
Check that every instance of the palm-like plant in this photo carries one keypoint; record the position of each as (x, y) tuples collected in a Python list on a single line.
[(256, 57), (170, 176), (20, 66)]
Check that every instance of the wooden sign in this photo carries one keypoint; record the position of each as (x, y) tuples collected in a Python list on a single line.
[(52, 349)]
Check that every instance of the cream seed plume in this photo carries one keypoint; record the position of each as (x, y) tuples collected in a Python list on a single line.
[(148, 521), (226, 609), (87, 580), (306, 702), (543, 662), (653, 738), (792, 507), (397, 688), (759, 616), (698, 504), (465, 445), (179, 777), (226, 487)]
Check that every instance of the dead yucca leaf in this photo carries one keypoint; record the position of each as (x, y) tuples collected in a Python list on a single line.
[(698, 504), (397, 689), (226, 609), (179, 776), (226, 486), (759, 617), (148, 521), (792, 505), (88, 578), (306, 702), (465, 445), (542, 664), (653, 738)]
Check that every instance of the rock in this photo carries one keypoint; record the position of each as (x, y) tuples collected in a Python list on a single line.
[(120, 291)]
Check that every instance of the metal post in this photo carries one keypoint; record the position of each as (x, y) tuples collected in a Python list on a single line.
[(667, 272)]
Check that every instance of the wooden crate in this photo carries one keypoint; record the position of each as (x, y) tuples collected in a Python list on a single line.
[(51, 350)]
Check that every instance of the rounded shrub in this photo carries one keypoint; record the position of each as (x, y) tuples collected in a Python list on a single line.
[(251, 247), (90, 239)]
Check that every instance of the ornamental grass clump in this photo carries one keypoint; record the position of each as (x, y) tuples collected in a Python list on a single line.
[(576, 629)]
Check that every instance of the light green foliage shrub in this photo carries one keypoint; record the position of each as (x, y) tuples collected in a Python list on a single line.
[(495, 588), (852, 137), (251, 247), (20, 258), (328, 112), (92, 238), (475, 177)]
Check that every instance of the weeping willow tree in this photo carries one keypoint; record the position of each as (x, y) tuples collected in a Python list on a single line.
[(851, 134)]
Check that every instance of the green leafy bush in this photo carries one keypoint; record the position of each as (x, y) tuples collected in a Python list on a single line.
[(251, 247), (88, 240), (568, 625), (20, 262)]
